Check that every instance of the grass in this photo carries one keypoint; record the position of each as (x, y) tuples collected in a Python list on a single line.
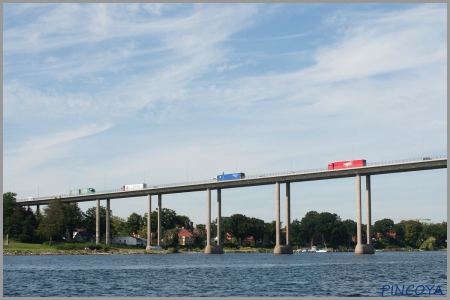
[(17, 246)]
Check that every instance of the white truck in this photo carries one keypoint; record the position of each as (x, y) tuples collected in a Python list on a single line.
[(130, 187)]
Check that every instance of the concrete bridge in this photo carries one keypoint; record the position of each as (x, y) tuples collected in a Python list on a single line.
[(266, 179)]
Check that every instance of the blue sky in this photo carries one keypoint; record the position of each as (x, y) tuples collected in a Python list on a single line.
[(102, 95)]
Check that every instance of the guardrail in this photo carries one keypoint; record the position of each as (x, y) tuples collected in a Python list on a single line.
[(389, 162)]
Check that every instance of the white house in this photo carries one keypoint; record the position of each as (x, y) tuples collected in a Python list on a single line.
[(129, 240)]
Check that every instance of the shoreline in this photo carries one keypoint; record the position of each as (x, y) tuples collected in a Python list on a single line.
[(120, 252)]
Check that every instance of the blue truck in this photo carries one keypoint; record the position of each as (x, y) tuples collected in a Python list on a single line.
[(231, 176)]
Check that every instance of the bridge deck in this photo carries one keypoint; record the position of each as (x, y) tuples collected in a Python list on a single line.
[(254, 180)]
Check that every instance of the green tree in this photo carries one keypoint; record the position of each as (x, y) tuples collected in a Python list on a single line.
[(270, 234), (134, 223), (438, 231), (412, 232), (329, 226), (30, 225), (118, 226), (171, 237), (383, 227), (9, 204), (89, 220), (16, 221), (295, 233), (429, 244), (52, 223), (257, 229), (308, 225), (350, 229), (73, 218), (400, 230), (184, 221), (240, 226)]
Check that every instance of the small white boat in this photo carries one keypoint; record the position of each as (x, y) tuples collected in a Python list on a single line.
[(321, 250)]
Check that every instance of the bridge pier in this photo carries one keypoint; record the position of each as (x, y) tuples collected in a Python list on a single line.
[(360, 247), (159, 220), (149, 218), (107, 241), (209, 249), (282, 249), (97, 223)]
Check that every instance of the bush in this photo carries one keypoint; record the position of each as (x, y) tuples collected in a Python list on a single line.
[(95, 246)]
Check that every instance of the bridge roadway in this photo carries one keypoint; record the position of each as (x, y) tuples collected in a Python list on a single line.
[(254, 181)]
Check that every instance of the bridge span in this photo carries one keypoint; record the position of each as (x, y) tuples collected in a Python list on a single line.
[(255, 180)]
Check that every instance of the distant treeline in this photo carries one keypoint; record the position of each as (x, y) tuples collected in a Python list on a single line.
[(58, 221)]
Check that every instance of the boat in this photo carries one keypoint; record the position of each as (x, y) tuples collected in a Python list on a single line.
[(323, 250)]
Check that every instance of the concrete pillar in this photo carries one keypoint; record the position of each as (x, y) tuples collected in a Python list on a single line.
[(97, 223), (208, 221), (107, 221), (282, 249), (277, 222), (209, 249), (368, 249), (149, 223), (359, 247), (37, 210), (159, 220), (219, 217), (288, 213)]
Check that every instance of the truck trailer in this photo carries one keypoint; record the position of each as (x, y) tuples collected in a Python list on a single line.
[(347, 164), (138, 186), (231, 176), (82, 191)]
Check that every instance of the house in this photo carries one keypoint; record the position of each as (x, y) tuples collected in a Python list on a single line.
[(185, 237), (129, 240), (83, 236)]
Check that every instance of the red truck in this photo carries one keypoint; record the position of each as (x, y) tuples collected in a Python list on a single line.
[(347, 164)]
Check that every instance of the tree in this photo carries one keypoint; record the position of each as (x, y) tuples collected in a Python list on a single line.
[(73, 218), (240, 226), (89, 220), (171, 237), (9, 204), (429, 244), (29, 228), (270, 234), (412, 232), (383, 227), (16, 221), (52, 222), (257, 229), (118, 226), (350, 229), (438, 231), (134, 223), (308, 225), (295, 233), (329, 226), (184, 221)]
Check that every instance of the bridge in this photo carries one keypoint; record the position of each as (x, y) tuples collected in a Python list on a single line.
[(286, 178)]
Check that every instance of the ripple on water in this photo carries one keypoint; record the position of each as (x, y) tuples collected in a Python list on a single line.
[(238, 275)]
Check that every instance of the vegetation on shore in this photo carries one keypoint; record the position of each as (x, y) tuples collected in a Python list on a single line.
[(52, 229)]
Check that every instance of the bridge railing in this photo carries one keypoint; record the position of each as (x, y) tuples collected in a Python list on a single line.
[(389, 162)]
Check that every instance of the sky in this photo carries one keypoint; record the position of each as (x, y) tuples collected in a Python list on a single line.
[(103, 95)]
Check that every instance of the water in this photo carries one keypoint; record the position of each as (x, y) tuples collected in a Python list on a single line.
[(195, 275)]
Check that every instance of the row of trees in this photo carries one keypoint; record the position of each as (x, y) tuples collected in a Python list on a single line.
[(60, 220)]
